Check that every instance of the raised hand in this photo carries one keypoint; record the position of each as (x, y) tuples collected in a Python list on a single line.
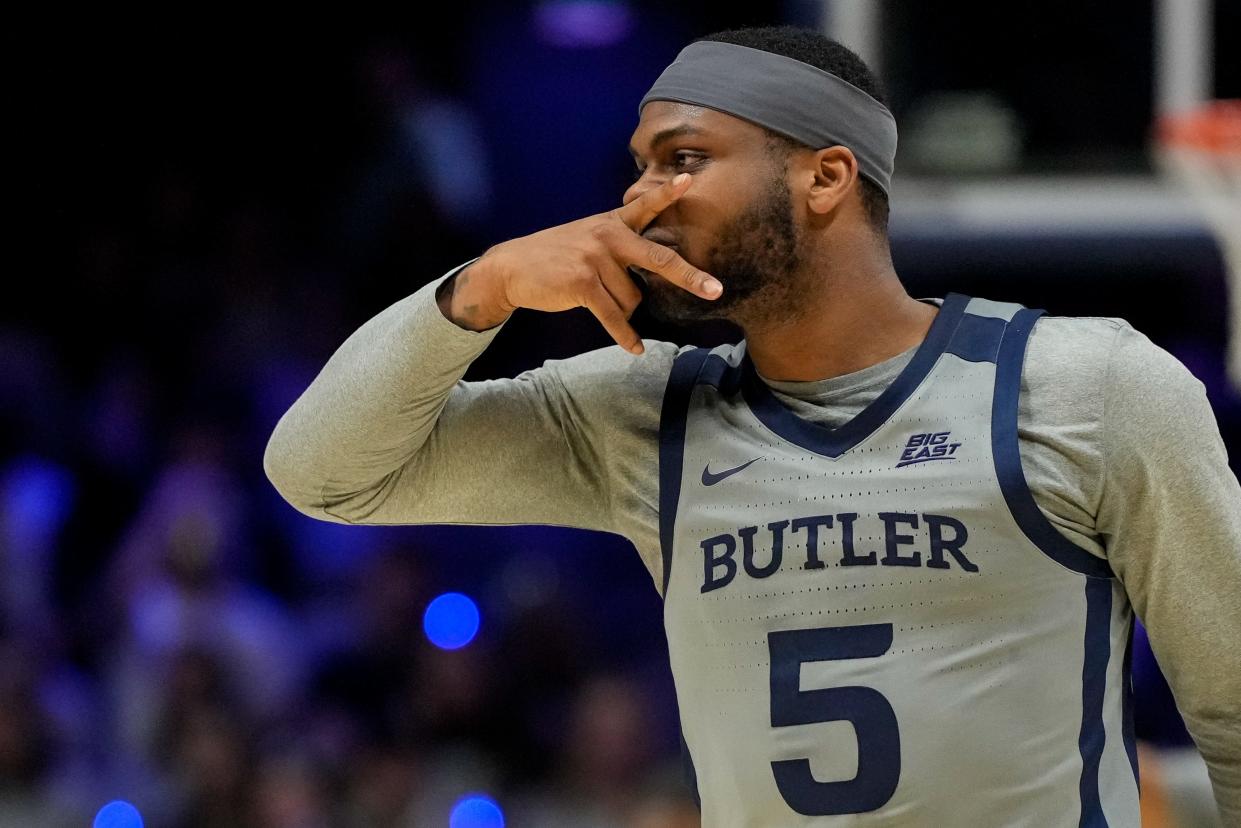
[(580, 264)]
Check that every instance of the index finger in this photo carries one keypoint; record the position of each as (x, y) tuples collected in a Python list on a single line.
[(663, 261), (638, 213)]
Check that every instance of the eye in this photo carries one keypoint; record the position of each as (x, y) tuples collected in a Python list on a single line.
[(680, 160)]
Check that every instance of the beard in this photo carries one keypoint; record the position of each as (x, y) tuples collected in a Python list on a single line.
[(757, 259)]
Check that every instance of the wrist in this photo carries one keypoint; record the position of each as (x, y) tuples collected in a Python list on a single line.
[(473, 297)]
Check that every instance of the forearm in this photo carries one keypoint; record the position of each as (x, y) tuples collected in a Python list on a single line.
[(371, 407), (472, 297)]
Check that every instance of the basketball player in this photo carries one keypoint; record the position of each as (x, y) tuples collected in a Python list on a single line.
[(899, 541)]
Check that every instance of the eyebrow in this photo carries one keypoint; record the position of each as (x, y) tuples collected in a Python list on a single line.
[(669, 134)]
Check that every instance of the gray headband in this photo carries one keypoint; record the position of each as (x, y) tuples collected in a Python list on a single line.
[(785, 95)]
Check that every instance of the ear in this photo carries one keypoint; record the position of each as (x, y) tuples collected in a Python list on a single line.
[(835, 174)]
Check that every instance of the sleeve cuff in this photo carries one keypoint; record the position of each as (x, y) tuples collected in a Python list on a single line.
[(432, 319)]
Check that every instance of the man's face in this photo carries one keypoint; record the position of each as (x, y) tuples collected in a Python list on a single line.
[(736, 221)]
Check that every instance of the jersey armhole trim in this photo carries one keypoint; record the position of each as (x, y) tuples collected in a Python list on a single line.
[(1004, 448), (672, 419)]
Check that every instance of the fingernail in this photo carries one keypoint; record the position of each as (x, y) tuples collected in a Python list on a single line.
[(712, 288), (680, 179), (636, 349)]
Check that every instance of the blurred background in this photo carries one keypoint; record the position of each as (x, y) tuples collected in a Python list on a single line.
[(209, 206)]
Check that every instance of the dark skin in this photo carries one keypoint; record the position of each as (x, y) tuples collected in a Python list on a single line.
[(824, 303)]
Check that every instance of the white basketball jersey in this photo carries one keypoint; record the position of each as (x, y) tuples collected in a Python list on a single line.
[(874, 624)]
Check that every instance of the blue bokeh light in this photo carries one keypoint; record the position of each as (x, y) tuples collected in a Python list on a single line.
[(476, 811), (451, 621), (36, 498), (118, 814)]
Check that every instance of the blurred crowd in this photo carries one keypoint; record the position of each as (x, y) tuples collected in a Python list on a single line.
[(180, 682)]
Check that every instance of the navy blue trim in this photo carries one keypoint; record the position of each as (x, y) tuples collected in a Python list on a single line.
[(1096, 651), (672, 416), (833, 442), (1126, 707), (687, 370), (718, 373), (1004, 447), (687, 767), (977, 338)]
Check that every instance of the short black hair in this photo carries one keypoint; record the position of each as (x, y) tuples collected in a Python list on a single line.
[(816, 49)]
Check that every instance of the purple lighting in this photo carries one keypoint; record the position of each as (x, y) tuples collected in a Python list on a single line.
[(582, 23)]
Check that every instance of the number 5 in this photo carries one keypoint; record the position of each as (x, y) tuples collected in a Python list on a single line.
[(872, 717)]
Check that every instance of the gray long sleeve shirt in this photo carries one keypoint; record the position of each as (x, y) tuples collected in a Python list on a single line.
[(1118, 443)]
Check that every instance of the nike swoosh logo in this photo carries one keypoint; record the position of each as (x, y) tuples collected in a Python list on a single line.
[(709, 479)]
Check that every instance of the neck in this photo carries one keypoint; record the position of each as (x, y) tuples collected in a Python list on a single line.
[(855, 313)]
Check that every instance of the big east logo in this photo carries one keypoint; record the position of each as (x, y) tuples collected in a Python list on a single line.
[(924, 447)]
